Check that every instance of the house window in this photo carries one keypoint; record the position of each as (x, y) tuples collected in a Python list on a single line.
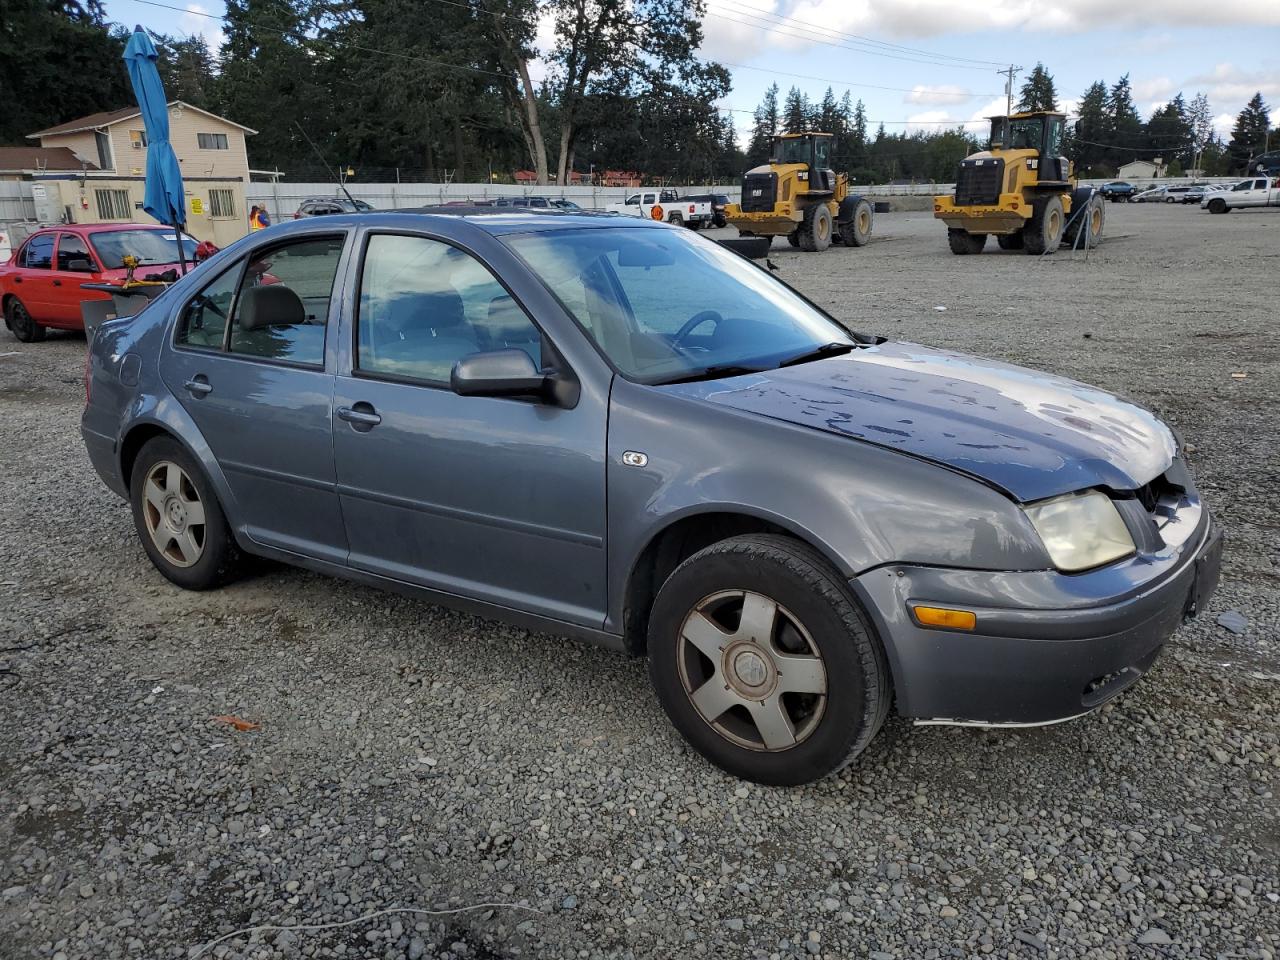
[(113, 205), (103, 142), (212, 141), (138, 139), (222, 203)]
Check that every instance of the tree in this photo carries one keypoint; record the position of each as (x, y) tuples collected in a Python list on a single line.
[(766, 125), (1124, 125), (187, 70), (795, 112), (58, 62), (1169, 133), (1089, 136), (1200, 121), (1038, 92), (1249, 135)]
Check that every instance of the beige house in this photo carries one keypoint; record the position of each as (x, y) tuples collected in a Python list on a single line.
[(109, 188)]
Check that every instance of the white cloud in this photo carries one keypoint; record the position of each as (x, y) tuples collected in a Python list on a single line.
[(1228, 85), (544, 42), (1159, 89), (943, 93), (1223, 124), (195, 21)]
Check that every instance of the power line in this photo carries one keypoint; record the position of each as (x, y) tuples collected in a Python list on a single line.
[(859, 38), (785, 26)]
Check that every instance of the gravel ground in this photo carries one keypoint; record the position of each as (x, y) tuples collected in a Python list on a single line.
[(410, 757)]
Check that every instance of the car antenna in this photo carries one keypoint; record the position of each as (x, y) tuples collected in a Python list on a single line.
[(338, 180)]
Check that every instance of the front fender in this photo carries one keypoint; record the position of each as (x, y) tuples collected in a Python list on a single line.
[(861, 505)]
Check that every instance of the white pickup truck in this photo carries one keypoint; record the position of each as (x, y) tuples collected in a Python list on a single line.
[(1254, 192), (665, 205)]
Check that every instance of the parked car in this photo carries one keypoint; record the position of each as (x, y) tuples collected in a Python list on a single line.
[(532, 203), (1254, 192), (40, 285), (666, 205), (1175, 194), (799, 526), (329, 206), (1150, 195), (566, 205), (1118, 191), (718, 201)]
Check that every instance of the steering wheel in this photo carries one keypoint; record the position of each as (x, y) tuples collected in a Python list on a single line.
[(694, 322)]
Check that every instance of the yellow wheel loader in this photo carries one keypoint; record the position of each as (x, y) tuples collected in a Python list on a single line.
[(1022, 190), (796, 195)]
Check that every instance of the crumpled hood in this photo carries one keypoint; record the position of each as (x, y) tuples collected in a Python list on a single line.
[(1029, 433)]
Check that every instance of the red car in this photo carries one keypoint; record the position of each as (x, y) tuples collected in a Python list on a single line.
[(40, 285)]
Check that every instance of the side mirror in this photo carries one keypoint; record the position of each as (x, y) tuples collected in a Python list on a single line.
[(80, 265), (498, 373)]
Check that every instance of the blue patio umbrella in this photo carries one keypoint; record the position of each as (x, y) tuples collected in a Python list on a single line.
[(164, 198)]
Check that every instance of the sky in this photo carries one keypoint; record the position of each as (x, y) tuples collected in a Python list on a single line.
[(925, 64)]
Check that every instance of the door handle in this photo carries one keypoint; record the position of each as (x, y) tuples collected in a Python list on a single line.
[(362, 415), (57, 283), (199, 385)]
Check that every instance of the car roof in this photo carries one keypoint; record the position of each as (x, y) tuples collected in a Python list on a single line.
[(496, 221), (100, 227)]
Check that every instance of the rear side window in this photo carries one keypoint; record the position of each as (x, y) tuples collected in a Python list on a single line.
[(276, 305), (38, 253), (283, 305)]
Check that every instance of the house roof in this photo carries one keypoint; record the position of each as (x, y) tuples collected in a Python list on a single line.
[(41, 158), (97, 121)]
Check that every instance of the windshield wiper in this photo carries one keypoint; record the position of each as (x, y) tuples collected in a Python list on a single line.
[(819, 353), (713, 373)]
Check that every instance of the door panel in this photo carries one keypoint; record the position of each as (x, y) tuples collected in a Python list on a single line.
[(67, 295), (36, 287), (498, 499), (249, 367)]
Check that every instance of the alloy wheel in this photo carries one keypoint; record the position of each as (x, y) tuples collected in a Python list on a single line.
[(173, 514), (752, 671)]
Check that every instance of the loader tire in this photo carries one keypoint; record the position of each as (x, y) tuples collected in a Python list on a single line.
[(1087, 214), (854, 221), (1043, 232), (963, 242), (793, 238), (816, 229), (1010, 241)]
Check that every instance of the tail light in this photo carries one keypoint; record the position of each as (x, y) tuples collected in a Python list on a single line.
[(691, 208)]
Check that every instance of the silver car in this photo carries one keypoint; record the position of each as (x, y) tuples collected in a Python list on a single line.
[(619, 430)]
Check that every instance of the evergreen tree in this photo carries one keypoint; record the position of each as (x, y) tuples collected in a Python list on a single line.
[(795, 112), (1169, 134), (1249, 135), (828, 119), (1038, 92), (1124, 125), (1089, 136), (764, 128), (1200, 120)]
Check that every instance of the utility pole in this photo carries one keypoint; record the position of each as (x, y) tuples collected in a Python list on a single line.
[(1009, 73)]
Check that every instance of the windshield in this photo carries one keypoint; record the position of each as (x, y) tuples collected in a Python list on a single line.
[(792, 150), (665, 305), (1023, 134), (149, 246)]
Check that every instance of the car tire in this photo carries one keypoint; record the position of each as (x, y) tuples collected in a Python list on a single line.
[(816, 228), (1218, 205), (1009, 241), (695, 225), (812, 635), (178, 518), (675, 220), (962, 242), (1043, 232), (21, 324)]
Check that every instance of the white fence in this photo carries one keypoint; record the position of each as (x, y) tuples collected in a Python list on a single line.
[(15, 201)]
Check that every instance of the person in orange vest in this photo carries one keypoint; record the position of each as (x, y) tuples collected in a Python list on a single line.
[(258, 219)]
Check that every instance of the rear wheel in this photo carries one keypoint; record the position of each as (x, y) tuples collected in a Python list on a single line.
[(815, 230), (21, 322), (1090, 217), (675, 219), (1009, 241), (963, 242), (764, 661), (178, 518), (1043, 232)]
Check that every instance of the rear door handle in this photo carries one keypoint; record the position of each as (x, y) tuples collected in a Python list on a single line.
[(199, 385), (361, 415), (57, 283)]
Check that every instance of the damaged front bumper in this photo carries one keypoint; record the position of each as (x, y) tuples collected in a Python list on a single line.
[(1047, 646)]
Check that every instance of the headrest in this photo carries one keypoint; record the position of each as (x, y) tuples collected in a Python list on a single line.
[(270, 305)]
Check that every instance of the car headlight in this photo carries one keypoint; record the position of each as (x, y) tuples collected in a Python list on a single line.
[(1081, 530)]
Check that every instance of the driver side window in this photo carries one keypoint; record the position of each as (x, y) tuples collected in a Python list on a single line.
[(204, 319)]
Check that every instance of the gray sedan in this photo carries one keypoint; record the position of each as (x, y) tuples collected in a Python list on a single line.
[(618, 430)]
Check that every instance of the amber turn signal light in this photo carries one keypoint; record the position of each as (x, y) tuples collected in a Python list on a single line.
[(942, 617)]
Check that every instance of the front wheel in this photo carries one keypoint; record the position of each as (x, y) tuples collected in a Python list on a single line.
[(962, 242), (765, 662), (1217, 205), (178, 518), (816, 228), (21, 323)]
